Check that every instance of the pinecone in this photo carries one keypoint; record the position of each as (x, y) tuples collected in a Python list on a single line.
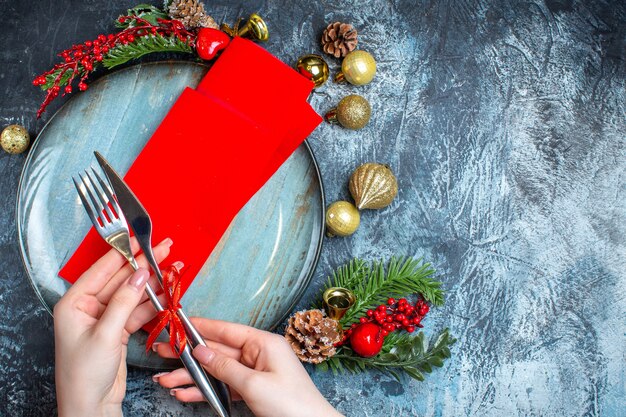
[(191, 13), (339, 39), (312, 336)]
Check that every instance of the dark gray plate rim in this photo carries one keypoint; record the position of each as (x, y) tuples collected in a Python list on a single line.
[(29, 157)]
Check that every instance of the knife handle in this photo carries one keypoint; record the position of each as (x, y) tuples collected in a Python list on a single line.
[(221, 388)]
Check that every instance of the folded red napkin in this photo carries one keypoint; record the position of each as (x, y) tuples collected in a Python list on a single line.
[(192, 197)]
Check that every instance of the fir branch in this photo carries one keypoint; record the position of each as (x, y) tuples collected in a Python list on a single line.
[(146, 12), (403, 276), (401, 352), (145, 45)]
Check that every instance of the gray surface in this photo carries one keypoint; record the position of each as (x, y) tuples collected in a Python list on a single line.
[(505, 124)]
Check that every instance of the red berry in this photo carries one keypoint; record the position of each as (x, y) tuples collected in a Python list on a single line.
[(363, 320), (109, 37), (389, 318), (370, 313), (402, 301), (82, 86), (399, 317), (209, 42), (68, 89), (406, 322), (417, 320), (389, 327), (367, 340), (99, 57), (131, 38), (122, 19), (88, 44), (353, 326), (384, 332), (424, 310), (410, 329), (391, 301), (381, 308)]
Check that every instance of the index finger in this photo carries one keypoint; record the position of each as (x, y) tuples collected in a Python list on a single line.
[(230, 334)]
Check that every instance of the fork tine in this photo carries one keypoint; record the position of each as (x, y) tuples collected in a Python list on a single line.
[(109, 193), (90, 191), (91, 212), (101, 191)]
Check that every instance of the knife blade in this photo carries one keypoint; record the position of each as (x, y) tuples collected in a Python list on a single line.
[(216, 393)]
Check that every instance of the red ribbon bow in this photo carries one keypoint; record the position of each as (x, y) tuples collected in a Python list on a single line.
[(168, 317)]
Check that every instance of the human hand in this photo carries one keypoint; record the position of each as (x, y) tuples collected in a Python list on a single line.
[(92, 324), (259, 367)]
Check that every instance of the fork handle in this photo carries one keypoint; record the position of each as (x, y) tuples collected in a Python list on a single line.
[(197, 372)]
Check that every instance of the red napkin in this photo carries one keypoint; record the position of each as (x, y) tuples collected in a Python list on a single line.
[(237, 146)]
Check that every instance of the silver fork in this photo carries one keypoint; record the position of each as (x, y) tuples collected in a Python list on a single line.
[(96, 196)]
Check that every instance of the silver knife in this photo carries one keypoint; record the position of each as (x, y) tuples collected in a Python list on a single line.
[(214, 391)]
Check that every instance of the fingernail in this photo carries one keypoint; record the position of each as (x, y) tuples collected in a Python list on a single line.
[(173, 391), (203, 354), (156, 377), (178, 265), (167, 242), (139, 278), (155, 346)]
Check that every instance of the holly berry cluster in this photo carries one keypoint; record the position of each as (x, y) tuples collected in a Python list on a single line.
[(400, 315), (80, 60)]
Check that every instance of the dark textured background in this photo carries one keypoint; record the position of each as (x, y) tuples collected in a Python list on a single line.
[(505, 122)]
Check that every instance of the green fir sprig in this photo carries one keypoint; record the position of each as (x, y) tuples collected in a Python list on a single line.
[(400, 353), (373, 283), (145, 45)]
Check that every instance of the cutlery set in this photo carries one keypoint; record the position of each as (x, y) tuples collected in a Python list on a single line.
[(113, 207)]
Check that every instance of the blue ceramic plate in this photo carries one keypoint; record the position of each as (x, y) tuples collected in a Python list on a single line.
[(264, 261)]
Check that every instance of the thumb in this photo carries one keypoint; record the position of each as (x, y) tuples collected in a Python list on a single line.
[(124, 301), (222, 367)]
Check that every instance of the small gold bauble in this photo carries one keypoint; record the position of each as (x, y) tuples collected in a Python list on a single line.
[(373, 186), (352, 112), (314, 68), (342, 219), (358, 68), (14, 139)]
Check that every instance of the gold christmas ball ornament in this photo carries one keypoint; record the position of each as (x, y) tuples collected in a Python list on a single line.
[(358, 68), (14, 139), (373, 186), (314, 68), (342, 219), (352, 112)]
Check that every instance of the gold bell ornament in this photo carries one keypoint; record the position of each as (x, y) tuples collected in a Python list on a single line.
[(342, 219), (358, 68), (373, 186), (337, 301), (14, 139), (255, 28), (352, 112), (314, 68)]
